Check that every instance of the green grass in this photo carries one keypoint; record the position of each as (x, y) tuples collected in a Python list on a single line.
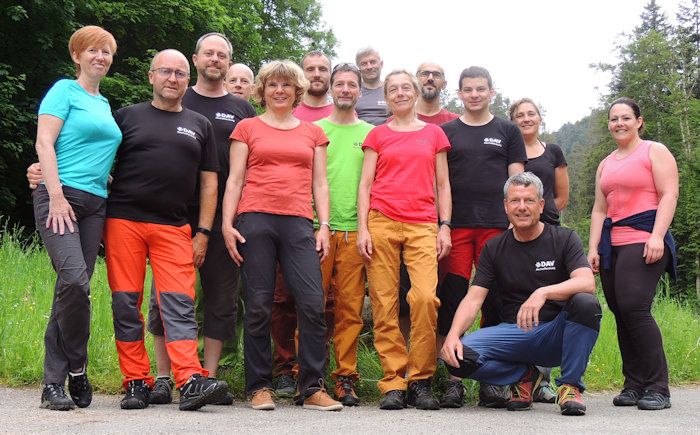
[(26, 292)]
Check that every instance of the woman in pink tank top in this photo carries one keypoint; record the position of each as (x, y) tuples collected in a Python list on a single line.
[(635, 199)]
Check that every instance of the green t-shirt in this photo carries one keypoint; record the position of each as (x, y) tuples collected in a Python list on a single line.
[(343, 170)]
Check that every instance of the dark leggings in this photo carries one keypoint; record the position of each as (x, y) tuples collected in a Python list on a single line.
[(629, 286)]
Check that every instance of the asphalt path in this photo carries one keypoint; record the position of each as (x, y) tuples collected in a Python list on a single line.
[(20, 413)]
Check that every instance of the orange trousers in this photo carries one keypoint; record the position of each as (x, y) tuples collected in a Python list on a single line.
[(169, 248), (418, 242)]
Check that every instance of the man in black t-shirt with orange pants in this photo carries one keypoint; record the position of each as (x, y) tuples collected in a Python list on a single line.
[(551, 316)]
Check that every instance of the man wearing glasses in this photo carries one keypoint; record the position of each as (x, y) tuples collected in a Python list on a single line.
[(166, 149), (432, 81)]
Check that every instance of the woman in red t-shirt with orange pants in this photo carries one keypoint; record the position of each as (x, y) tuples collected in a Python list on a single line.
[(277, 163), (405, 164)]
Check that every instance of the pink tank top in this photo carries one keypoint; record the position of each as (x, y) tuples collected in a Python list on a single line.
[(628, 186)]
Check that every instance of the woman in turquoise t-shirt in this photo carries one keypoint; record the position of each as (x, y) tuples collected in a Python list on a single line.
[(77, 139)]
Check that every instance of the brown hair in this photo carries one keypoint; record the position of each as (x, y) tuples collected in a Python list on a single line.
[(90, 36)]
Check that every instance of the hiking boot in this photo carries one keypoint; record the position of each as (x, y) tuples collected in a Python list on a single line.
[(394, 399), (545, 394), (321, 401), (226, 401), (345, 391), (492, 396), (569, 400), (199, 391), (262, 399), (286, 386), (80, 389), (653, 400), (454, 394), (421, 396), (521, 393), (54, 397), (137, 395), (162, 392), (627, 397)]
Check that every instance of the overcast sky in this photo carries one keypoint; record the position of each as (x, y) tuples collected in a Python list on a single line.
[(538, 48)]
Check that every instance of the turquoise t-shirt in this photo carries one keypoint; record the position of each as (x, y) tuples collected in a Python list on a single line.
[(343, 170), (88, 140)]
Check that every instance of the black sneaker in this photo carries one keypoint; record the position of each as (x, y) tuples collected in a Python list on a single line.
[(286, 386), (80, 389), (345, 391), (162, 392), (627, 397), (54, 397), (137, 395), (653, 401), (199, 391), (226, 401), (394, 399), (421, 396), (454, 394), (491, 396)]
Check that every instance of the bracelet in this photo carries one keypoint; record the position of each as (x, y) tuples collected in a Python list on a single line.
[(205, 231), (328, 224), (446, 222)]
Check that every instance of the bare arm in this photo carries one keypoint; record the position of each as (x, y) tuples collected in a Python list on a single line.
[(61, 214), (369, 168), (516, 168), (561, 187), (319, 188), (232, 196), (444, 200), (665, 172), (208, 186), (463, 320), (580, 281), (600, 211)]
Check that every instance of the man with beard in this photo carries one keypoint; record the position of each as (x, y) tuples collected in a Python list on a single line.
[(217, 271), (317, 70), (313, 107), (240, 81), (371, 107), (432, 81)]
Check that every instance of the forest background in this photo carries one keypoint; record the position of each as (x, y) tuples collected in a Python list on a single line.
[(659, 66)]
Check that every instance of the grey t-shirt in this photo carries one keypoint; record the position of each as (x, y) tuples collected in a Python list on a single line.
[(372, 107)]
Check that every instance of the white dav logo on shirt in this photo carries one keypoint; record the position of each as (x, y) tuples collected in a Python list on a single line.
[(545, 265), (226, 116), (187, 131), (492, 141)]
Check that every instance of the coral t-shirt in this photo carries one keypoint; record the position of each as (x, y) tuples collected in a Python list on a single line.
[(279, 167), (405, 173)]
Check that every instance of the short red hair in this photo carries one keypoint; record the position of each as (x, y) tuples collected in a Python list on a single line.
[(90, 36)]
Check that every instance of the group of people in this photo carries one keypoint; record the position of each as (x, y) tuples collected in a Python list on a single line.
[(312, 200)]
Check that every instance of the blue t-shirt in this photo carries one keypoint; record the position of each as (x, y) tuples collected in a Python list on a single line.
[(88, 140)]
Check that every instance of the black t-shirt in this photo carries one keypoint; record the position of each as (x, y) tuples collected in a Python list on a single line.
[(478, 164), (544, 167), (520, 268), (158, 163), (224, 114)]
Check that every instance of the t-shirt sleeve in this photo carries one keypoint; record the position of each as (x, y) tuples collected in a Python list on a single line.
[(441, 141), (516, 145), (320, 138), (575, 255), (485, 271), (241, 133), (56, 102), (210, 160), (558, 154), (371, 140)]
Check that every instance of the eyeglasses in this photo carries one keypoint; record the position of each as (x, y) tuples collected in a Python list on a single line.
[(425, 74), (346, 66), (165, 73)]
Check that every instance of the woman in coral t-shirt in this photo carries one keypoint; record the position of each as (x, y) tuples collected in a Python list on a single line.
[(635, 199), (405, 161), (277, 163)]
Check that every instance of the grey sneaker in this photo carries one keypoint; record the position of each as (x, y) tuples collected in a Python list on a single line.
[(286, 386), (162, 392), (653, 401), (53, 396)]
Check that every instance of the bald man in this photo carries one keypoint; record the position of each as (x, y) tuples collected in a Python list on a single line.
[(240, 81), (147, 218)]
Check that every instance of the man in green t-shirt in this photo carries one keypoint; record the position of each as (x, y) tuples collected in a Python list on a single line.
[(344, 264)]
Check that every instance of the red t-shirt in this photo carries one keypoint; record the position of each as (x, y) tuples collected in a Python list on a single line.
[(439, 118), (311, 114), (279, 167), (405, 174)]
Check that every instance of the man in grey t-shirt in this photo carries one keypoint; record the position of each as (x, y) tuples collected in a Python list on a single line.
[(371, 107)]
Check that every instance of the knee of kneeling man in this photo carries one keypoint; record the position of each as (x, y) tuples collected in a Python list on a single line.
[(585, 309)]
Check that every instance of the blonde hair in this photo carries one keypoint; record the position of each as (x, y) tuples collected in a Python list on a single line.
[(285, 69)]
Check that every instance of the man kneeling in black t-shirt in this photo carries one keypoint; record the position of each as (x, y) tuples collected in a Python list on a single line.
[(550, 314)]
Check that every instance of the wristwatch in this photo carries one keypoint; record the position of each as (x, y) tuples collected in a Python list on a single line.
[(446, 222), (205, 231)]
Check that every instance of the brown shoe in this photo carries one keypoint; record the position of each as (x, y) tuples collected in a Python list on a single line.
[(345, 391), (321, 401), (262, 399)]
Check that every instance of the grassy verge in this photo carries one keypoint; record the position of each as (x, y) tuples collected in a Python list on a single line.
[(26, 292)]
